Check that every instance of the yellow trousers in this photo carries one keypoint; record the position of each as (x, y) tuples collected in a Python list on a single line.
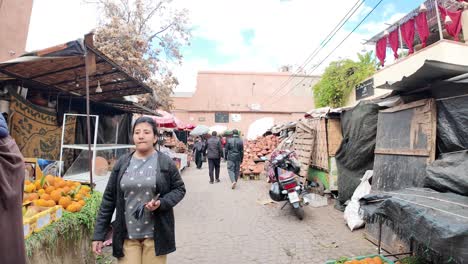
[(140, 252)]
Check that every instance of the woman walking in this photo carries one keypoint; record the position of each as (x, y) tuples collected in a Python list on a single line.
[(143, 188)]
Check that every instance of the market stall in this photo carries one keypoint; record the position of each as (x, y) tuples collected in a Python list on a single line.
[(175, 148), (43, 86), (419, 193)]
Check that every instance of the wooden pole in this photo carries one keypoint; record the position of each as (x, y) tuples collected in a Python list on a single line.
[(436, 6), (88, 120)]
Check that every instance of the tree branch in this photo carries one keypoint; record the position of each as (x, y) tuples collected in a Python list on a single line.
[(159, 32), (151, 13)]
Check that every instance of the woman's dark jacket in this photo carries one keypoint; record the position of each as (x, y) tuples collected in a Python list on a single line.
[(171, 188)]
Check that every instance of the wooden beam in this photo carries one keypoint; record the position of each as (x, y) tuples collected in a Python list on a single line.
[(406, 106), (93, 76), (404, 152)]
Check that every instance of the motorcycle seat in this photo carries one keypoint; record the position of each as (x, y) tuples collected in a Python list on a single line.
[(286, 176)]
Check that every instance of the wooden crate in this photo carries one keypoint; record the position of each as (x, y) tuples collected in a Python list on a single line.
[(251, 176), (334, 136), (319, 157), (304, 144)]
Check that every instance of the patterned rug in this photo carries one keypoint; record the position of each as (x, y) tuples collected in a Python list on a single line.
[(35, 130)]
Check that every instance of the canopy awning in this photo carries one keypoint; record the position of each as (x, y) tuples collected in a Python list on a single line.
[(430, 73), (131, 107), (61, 69)]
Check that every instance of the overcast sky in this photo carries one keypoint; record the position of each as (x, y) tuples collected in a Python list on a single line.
[(237, 35)]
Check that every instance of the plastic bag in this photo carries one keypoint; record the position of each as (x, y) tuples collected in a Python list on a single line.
[(351, 213)]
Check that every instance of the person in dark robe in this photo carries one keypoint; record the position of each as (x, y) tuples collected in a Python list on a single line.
[(198, 149), (12, 172)]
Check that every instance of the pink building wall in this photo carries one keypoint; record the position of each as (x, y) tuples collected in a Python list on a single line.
[(14, 23), (250, 95)]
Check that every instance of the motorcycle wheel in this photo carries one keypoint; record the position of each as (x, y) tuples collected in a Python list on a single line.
[(299, 212)]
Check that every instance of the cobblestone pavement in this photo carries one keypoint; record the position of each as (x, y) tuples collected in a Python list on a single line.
[(215, 224)]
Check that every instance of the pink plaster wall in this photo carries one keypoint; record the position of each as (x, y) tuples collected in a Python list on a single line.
[(278, 96), (14, 26)]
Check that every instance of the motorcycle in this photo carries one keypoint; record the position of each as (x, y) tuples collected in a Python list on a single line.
[(285, 186)]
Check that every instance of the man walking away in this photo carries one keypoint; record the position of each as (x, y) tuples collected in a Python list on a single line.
[(214, 152), (234, 156), (198, 149)]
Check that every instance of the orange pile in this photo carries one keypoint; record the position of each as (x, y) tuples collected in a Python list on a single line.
[(374, 260), (53, 191)]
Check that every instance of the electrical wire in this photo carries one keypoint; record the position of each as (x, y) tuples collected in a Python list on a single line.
[(341, 43), (327, 39)]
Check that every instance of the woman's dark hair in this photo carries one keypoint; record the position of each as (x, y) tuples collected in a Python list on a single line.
[(149, 120)]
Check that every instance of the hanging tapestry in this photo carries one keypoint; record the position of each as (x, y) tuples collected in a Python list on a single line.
[(35, 130)]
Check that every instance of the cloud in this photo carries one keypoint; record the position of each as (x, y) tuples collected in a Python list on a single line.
[(279, 32), (55, 22)]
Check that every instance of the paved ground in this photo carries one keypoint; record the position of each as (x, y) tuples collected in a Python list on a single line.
[(215, 224)]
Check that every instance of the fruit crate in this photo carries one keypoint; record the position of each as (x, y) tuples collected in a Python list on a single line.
[(28, 227), (39, 221), (384, 259)]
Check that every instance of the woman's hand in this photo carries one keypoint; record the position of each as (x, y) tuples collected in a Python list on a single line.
[(97, 247), (153, 205)]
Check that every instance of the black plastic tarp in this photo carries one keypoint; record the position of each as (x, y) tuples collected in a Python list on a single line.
[(356, 152), (71, 48), (437, 222), (452, 124), (111, 129), (449, 173)]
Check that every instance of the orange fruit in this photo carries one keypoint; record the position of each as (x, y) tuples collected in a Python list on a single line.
[(66, 189), (50, 179), (49, 189), (50, 203), (65, 201), (74, 207), (71, 208), (377, 260), (63, 183), (78, 206), (41, 191), (29, 188), (82, 202), (56, 195), (33, 196), (79, 196), (46, 196), (26, 182), (38, 184), (41, 202)]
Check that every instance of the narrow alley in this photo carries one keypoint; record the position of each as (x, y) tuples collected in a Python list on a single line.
[(215, 224)]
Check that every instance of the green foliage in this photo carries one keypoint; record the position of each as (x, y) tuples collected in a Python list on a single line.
[(340, 79), (70, 226), (412, 260)]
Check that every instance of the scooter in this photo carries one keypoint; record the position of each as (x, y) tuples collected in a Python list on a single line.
[(286, 187)]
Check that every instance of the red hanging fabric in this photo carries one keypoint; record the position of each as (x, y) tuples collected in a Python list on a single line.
[(407, 32), (423, 28), (381, 50), (455, 27), (394, 40)]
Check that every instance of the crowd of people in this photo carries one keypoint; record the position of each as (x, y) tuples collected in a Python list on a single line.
[(216, 148)]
